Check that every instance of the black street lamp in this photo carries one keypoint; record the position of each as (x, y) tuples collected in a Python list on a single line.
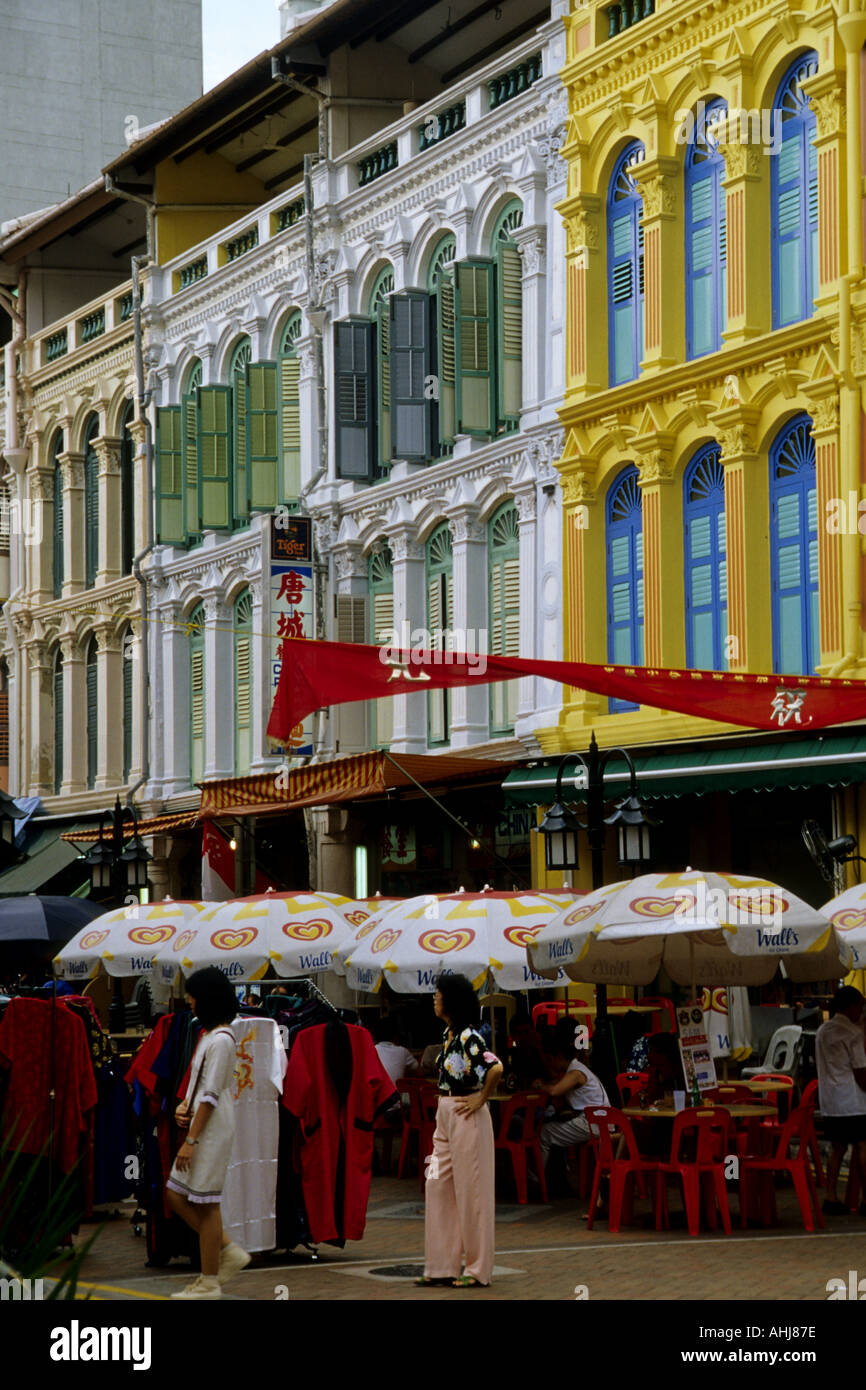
[(117, 867), (560, 830)]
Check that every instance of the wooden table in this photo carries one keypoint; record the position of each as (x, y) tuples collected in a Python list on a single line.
[(760, 1087), (667, 1112), (615, 1010)]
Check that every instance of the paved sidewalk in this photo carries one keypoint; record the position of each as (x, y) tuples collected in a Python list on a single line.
[(542, 1253)]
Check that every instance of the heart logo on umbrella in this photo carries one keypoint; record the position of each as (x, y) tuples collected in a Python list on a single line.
[(365, 931), (521, 936), (762, 905), (385, 939), (184, 939), (232, 939), (659, 907), (356, 918), (307, 931), (580, 913), (150, 936), (438, 942), (849, 919), (91, 939)]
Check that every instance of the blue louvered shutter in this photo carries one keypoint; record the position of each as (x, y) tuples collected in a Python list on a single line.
[(354, 398)]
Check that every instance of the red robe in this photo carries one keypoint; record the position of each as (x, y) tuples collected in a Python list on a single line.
[(25, 1049), (337, 1149)]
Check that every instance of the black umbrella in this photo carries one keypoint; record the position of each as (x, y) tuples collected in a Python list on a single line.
[(36, 919)]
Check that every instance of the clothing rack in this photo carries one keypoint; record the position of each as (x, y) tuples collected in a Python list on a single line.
[(311, 984)]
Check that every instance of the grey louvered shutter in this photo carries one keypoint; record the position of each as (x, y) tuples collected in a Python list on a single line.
[(351, 615), (412, 414), (354, 394)]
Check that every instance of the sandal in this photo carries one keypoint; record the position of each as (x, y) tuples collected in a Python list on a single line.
[(468, 1281), (426, 1283)]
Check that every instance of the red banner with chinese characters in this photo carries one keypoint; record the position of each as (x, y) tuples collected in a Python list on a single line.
[(317, 674)]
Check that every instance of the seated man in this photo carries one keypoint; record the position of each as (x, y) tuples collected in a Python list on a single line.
[(395, 1058), (577, 1088)]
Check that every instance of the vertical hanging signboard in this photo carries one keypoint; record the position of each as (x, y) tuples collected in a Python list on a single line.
[(292, 611), (695, 1049)]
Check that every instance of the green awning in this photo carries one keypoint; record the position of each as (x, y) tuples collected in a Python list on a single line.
[(791, 763), (39, 869)]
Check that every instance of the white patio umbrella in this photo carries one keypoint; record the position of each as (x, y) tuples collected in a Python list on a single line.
[(124, 941), (362, 915), (293, 933), (707, 928), (847, 912), (412, 944)]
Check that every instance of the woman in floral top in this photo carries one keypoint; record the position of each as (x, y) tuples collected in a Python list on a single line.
[(460, 1174)]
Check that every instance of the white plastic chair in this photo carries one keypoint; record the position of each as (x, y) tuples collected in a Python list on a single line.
[(782, 1055)]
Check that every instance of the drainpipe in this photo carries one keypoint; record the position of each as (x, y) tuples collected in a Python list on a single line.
[(149, 206), (14, 456), (852, 32)]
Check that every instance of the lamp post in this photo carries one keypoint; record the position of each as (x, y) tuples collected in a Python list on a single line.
[(560, 829), (117, 867)]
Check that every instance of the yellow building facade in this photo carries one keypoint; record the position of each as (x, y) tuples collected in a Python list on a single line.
[(712, 465)]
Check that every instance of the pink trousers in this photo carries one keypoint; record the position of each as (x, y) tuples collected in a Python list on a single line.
[(460, 1188)]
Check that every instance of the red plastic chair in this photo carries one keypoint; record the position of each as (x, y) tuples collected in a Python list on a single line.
[(522, 1106), (552, 1010), (666, 1007), (630, 1084), (710, 1129), (607, 1125), (795, 1127), (810, 1099), (418, 1121)]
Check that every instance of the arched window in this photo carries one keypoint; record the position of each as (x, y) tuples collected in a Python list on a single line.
[(795, 199), (440, 610), (794, 549), (625, 608), (706, 576), (381, 580), (706, 235), (380, 309), (92, 690), (290, 409), (58, 721), (625, 268), (238, 363), (127, 651), (57, 474), (503, 552), (443, 255), (91, 503), (197, 694), (127, 493), (243, 634), (509, 298)]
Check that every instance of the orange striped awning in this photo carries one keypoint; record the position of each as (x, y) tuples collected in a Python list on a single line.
[(177, 820), (343, 779)]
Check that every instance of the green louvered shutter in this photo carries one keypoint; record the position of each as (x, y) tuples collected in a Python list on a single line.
[(504, 559), (413, 421), (381, 628), (262, 428), (243, 683), (355, 398), (440, 608), (446, 347), (189, 409), (169, 475), (58, 723), (509, 373), (197, 696), (476, 407), (240, 453), (290, 428), (214, 448), (92, 713), (127, 705)]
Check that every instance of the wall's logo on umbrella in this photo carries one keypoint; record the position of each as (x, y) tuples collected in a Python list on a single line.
[(385, 939), (307, 931), (233, 938), (365, 931), (849, 919), (184, 940), (91, 939), (356, 918), (521, 936), (439, 942), (656, 907), (151, 936)]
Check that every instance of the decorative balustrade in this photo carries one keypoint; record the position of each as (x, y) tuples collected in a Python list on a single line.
[(622, 16), (124, 307), (287, 217), (91, 326), (377, 163), (439, 127), (507, 85), (56, 345), (240, 245), (195, 270)]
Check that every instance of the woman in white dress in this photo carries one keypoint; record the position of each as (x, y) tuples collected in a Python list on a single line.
[(195, 1185)]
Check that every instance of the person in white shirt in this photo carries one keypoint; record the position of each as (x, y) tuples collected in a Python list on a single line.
[(579, 1087), (396, 1059), (841, 1058)]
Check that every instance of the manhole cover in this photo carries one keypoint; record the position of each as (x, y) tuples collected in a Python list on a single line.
[(398, 1271)]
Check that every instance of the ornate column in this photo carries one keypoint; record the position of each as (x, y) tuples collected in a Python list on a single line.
[(747, 209), (583, 580), (73, 523), (747, 522), (74, 717), (831, 599), (527, 528), (470, 704), (664, 631), (110, 523), (171, 713), (219, 686), (263, 695), (827, 91), (138, 434), (350, 724), (586, 355), (532, 245), (132, 652), (660, 183), (309, 408), (41, 740), (410, 605), (109, 705), (39, 535)]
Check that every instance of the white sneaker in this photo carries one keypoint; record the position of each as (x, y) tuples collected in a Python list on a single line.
[(205, 1286), (232, 1260)]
